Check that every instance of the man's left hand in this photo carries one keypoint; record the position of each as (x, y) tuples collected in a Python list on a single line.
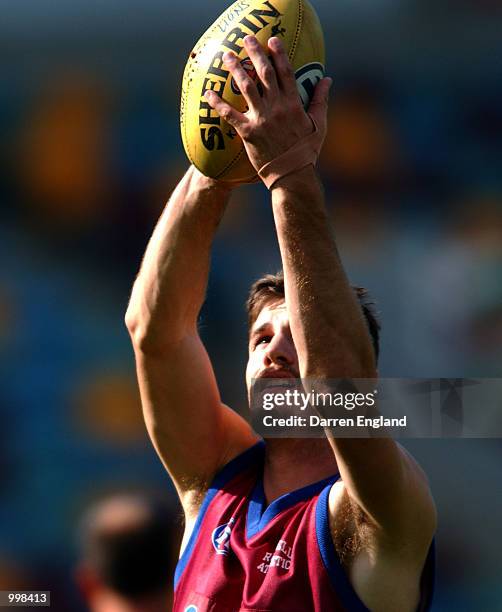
[(275, 120)]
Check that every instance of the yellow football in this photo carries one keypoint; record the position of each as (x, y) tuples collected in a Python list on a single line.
[(211, 144)]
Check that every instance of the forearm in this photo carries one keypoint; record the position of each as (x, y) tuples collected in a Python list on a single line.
[(330, 333), (169, 290), (326, 321)]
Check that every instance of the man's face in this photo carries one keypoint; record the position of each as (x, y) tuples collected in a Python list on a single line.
[(272, 352)]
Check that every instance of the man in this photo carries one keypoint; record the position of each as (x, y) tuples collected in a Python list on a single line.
[(270, 527), (127, 544)]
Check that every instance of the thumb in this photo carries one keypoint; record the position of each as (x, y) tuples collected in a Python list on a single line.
[(319, 104)]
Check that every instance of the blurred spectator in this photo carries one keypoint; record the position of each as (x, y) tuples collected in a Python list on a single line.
[(62, 166), (361, 149), (108, 409), (14, 577), (127, 555)]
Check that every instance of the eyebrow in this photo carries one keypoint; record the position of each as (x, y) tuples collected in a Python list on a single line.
[(259, 330)]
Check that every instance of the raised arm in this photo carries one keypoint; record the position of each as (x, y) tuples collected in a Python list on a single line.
[(192, 431), (333, 342), (326, 321)]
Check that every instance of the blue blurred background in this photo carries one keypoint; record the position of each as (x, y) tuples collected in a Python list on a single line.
[(90, 149)]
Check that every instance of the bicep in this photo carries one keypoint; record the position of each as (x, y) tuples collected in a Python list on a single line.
[(192, 431)]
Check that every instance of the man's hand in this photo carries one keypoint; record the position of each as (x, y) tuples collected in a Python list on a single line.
[(275, 120)]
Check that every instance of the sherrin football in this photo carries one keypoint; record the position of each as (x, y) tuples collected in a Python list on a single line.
[(211, 144)]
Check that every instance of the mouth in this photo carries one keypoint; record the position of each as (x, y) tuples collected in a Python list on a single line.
[(277, 374), (277, 381)]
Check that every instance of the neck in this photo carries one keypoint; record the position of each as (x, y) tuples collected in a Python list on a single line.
[(291, 464)]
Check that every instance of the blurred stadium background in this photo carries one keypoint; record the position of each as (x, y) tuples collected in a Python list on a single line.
[(90, 149)]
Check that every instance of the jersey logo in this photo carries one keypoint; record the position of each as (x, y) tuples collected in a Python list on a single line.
[(191, 608), (221, 538)]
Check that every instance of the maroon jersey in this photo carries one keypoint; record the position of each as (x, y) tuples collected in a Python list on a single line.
[(243, 556)]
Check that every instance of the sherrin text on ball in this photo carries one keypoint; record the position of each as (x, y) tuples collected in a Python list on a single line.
[(211, 144)]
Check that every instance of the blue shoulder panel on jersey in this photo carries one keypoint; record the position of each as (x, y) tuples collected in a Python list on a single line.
[(225, 475), (339, 578)]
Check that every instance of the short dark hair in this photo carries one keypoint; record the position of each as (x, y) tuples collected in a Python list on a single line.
[(270, 288), (128, 541)]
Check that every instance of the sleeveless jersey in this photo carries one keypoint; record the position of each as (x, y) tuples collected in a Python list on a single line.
[(245, 557)]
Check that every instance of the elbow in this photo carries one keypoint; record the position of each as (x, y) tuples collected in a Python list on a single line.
[(142, 327), (131, 322), (140, 331), (151, 337), (135, 324), (137, 332), (143, 338), (133, 316)]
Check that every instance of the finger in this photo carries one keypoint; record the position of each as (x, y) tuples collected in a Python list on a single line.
[(244, 82), (263, 65), (319, 104), (225, 111), (284, 70)]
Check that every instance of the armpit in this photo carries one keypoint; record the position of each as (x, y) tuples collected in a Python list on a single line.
[(195, 490), (350, 529)]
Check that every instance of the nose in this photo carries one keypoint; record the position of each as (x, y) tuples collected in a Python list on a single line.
[(280, 351)]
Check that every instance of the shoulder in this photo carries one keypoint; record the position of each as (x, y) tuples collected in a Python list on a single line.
[(238, 470)]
